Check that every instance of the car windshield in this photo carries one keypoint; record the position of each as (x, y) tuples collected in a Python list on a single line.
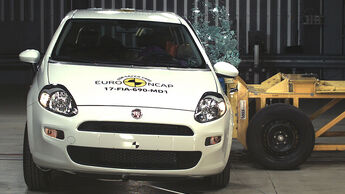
[(129, 43)]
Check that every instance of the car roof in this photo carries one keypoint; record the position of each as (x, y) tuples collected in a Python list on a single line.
[(127, 14)]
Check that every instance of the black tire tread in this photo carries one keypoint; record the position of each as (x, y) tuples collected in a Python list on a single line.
[(220, 180), (261, 158), (35, 178)]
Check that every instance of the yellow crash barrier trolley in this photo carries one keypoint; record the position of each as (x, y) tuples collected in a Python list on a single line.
[(278, 135)]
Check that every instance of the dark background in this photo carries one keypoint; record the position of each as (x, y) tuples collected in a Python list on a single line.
[(295, 36)]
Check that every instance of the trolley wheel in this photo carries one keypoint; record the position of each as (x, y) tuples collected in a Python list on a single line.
[(280, 136)]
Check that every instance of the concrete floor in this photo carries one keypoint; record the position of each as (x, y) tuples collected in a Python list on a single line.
[(322, 173)]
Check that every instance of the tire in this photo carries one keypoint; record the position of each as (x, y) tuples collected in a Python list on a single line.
[(280, 137), (222, 179), (35, 178)]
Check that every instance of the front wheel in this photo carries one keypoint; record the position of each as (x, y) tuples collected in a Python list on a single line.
[(280, 137), (35, 178), (220, 180)]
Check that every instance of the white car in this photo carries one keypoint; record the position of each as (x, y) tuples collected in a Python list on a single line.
[(126, 93)]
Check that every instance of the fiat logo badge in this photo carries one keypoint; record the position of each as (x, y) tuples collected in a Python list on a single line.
[(136, 113)]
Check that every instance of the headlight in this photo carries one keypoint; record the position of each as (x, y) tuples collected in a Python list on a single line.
[(57, 99), (210, 107)]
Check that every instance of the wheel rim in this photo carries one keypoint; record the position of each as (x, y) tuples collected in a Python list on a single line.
[(280, 138)]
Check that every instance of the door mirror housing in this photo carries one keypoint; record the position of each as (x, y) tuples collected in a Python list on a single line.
[(30, 56), (226, 69)]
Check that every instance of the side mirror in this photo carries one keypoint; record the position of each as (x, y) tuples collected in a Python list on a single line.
[(226, 69), (30, 56)]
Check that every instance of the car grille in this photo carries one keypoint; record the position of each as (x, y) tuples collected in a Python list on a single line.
[(134, 159), (135, 128)]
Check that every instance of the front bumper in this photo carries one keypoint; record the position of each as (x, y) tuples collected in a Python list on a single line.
[(52, 153)]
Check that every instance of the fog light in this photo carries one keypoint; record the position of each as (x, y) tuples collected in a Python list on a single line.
[(54, 133), (213, 140)]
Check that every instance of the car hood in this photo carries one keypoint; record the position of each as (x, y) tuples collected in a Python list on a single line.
[(136, 87)]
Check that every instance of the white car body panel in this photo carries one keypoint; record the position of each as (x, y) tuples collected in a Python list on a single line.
[(164, 86), (176, 106), (155, 16), (213, 160)]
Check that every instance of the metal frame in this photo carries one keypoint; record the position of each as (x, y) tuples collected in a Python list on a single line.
[(287, 86)]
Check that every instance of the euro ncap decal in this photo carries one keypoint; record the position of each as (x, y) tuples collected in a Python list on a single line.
[(134, 83)]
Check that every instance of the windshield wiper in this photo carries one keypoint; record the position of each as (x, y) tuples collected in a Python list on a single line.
[(72, 59), (124, 63), (96, 61)]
